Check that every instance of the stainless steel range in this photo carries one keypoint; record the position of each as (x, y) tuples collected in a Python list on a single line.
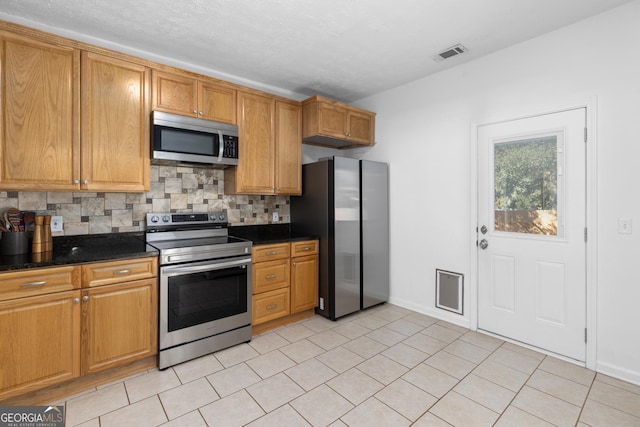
[(205, 285)]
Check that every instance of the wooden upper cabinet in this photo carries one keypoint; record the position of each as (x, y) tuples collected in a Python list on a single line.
[(330, 123), (332, 120), (288, 166), (115, 124), (174, 93), (39, 128), (270, 156), (188, 96), (360, 126), (256, 154), (216, 102)]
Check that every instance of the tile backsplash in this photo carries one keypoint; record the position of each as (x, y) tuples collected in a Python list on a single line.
[(173, 189)]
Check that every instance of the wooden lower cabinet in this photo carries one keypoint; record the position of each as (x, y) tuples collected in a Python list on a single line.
[(40, 342), (304, 283), (270, 275), (285, 282), (51, 331), (270, 305), (116, 326)]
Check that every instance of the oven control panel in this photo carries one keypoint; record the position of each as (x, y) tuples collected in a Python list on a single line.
[(186, 218)]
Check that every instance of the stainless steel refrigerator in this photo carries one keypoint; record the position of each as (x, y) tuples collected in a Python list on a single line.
[(345, 203)]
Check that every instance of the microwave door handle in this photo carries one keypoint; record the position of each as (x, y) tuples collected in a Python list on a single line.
[(221, 145)]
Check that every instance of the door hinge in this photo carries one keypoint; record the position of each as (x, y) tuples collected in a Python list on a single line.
[(585, 134), (585, 335), (585, 234)]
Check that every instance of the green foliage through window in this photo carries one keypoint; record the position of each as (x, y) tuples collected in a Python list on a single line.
[(526, 175)]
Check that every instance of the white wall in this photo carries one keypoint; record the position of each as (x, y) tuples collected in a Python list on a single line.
[(424, 130)]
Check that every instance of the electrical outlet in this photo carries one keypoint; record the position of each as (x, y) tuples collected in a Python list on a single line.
[(56, 224), (276, 217)]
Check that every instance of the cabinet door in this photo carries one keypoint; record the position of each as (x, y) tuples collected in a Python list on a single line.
[(332, 120), (255, 171), (175, 94), (119, 324), (288, 168), (39, 128), (115, 125), (40, 343), (360, 127), (216, 102), (304, 283)]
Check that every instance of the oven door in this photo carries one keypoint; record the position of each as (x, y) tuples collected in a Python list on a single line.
[(201, 299)]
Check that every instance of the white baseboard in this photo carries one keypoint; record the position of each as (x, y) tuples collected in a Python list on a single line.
[(623, 374), (437, 313)]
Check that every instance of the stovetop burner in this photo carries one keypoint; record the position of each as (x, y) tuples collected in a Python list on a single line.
[(187, 237)]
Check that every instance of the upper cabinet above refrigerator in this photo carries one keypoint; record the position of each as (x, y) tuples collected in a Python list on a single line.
[(330, 123)]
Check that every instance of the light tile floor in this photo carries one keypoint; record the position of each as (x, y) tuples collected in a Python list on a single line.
[(387, 366)]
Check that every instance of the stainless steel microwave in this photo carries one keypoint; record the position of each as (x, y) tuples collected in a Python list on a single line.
[(191, 140)]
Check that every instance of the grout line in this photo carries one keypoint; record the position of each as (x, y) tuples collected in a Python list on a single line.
[(378, 317)]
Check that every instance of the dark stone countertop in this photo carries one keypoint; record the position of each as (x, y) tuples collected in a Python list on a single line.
[(105, 247), (267, 233), (82, 249)]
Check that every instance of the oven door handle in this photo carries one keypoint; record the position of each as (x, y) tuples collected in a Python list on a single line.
[(208, 266)]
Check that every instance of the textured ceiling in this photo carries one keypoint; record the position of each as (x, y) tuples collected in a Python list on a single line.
[(344, 49)]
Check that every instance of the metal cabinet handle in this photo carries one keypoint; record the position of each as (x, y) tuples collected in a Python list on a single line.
[(123, 272), (76, 181), (195, 111), (85, 298), (306, 248), (85, 181), (272, 253), (31, 284), (272, 306), (483, 244), (201, 113), (294, 264), (76, 300), (271, 276)]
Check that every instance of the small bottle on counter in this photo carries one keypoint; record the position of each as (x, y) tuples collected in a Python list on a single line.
[(47, 239), (37, 244)]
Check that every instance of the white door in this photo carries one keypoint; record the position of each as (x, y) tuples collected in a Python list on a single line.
[(531, 231)]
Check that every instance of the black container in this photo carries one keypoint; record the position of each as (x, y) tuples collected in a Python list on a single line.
[(14, 243)]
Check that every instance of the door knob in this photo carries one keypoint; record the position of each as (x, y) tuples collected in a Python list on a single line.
[(483, 229), (483, 244)]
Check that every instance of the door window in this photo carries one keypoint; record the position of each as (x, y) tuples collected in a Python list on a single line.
[(527, 180)]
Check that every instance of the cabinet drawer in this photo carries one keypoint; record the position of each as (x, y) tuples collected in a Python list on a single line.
[(270, 275), (270, 305), (307, 247), (38, 282), (106, 273), (270, 252)]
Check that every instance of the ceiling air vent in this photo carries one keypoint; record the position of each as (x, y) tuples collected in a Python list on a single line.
[(450, 52)]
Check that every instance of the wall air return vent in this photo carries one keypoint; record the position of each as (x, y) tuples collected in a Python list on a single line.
[(450, 52), (449, 290)]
